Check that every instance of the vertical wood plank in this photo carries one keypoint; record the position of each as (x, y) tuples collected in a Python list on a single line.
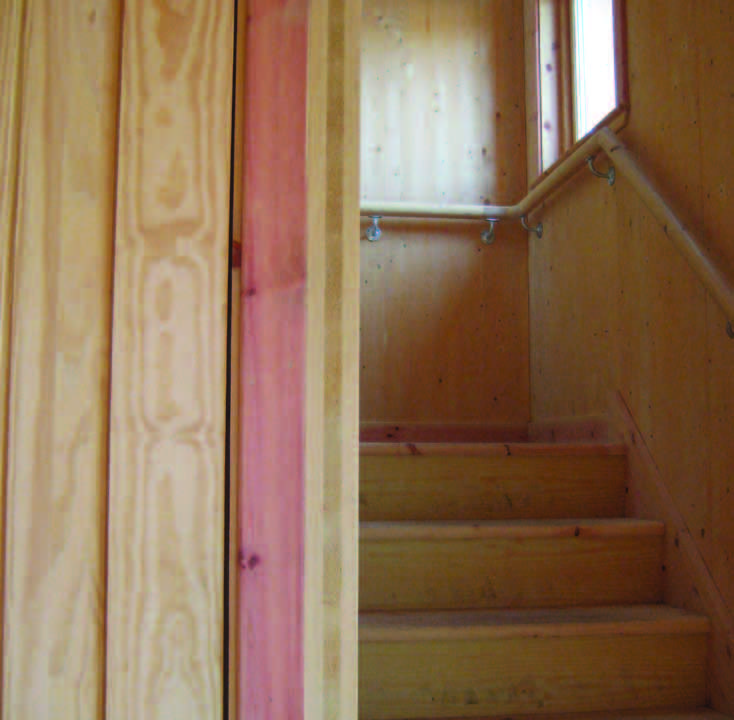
[(12, 15), (166, 525), (299, 377), (341, 353), (234, 485), (58, 414), (273, 361)]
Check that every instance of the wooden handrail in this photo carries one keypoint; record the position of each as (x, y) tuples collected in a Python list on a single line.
[(711, 276), (557, 177), (708, 272)]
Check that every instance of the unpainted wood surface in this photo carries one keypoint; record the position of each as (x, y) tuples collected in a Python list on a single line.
[(622, 620), (443, 319), (511, 565), (11, 61), (486, 488), (166, 525), (332, 361), (233, 609), (472, 678), (273, 364), (53, 654), (613, 305), (688, 581), (703, 713)]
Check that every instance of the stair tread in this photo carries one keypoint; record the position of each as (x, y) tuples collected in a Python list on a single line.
[(508, 529), (704, 713), (519, 449), (500, 624)]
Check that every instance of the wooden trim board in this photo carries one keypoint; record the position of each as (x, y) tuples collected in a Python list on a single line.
[(299, 363), (272, 381)]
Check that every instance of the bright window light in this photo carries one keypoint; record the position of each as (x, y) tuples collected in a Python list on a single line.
[(595, 83)]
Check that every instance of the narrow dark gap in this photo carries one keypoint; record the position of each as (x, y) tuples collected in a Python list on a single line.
[(228, 401)]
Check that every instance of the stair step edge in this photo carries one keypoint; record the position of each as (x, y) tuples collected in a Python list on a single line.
[(704, 713), (463, 625), (512, 449), (372, 531)]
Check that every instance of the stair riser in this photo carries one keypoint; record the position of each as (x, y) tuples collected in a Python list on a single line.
[(451, 679), (500, 573), (491, 488)]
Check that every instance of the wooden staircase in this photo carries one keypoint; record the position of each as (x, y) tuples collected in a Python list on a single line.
[(504, 580)]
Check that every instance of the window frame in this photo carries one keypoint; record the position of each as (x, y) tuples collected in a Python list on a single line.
[(550, 114)]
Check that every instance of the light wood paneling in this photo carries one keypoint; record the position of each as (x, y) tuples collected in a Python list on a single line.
[(339, 541), (166, 525), (443, 327), (442, 101), (688, 580), (11, 60), (58, 416), (613, 305), (443, 317)]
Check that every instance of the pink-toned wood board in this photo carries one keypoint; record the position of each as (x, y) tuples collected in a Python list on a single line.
[(273, 362)]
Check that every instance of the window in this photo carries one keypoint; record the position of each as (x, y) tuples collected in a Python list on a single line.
[(595, 89), (578, 66)]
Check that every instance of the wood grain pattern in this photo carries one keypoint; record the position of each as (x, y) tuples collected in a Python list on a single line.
[(422, 566), (443, 327), (11, 61), (484, 488), (273, 371), (166, 525), (688, 581), (473, 676), (339, 543), (614, 307), (234, 494), (58, 416), (443, 319)]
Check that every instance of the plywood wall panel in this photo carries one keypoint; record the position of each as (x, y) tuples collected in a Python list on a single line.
[(716, 60), (166, 524), (443, 101), (443, 326), (53, 664), (443, 317), (668, 354)]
